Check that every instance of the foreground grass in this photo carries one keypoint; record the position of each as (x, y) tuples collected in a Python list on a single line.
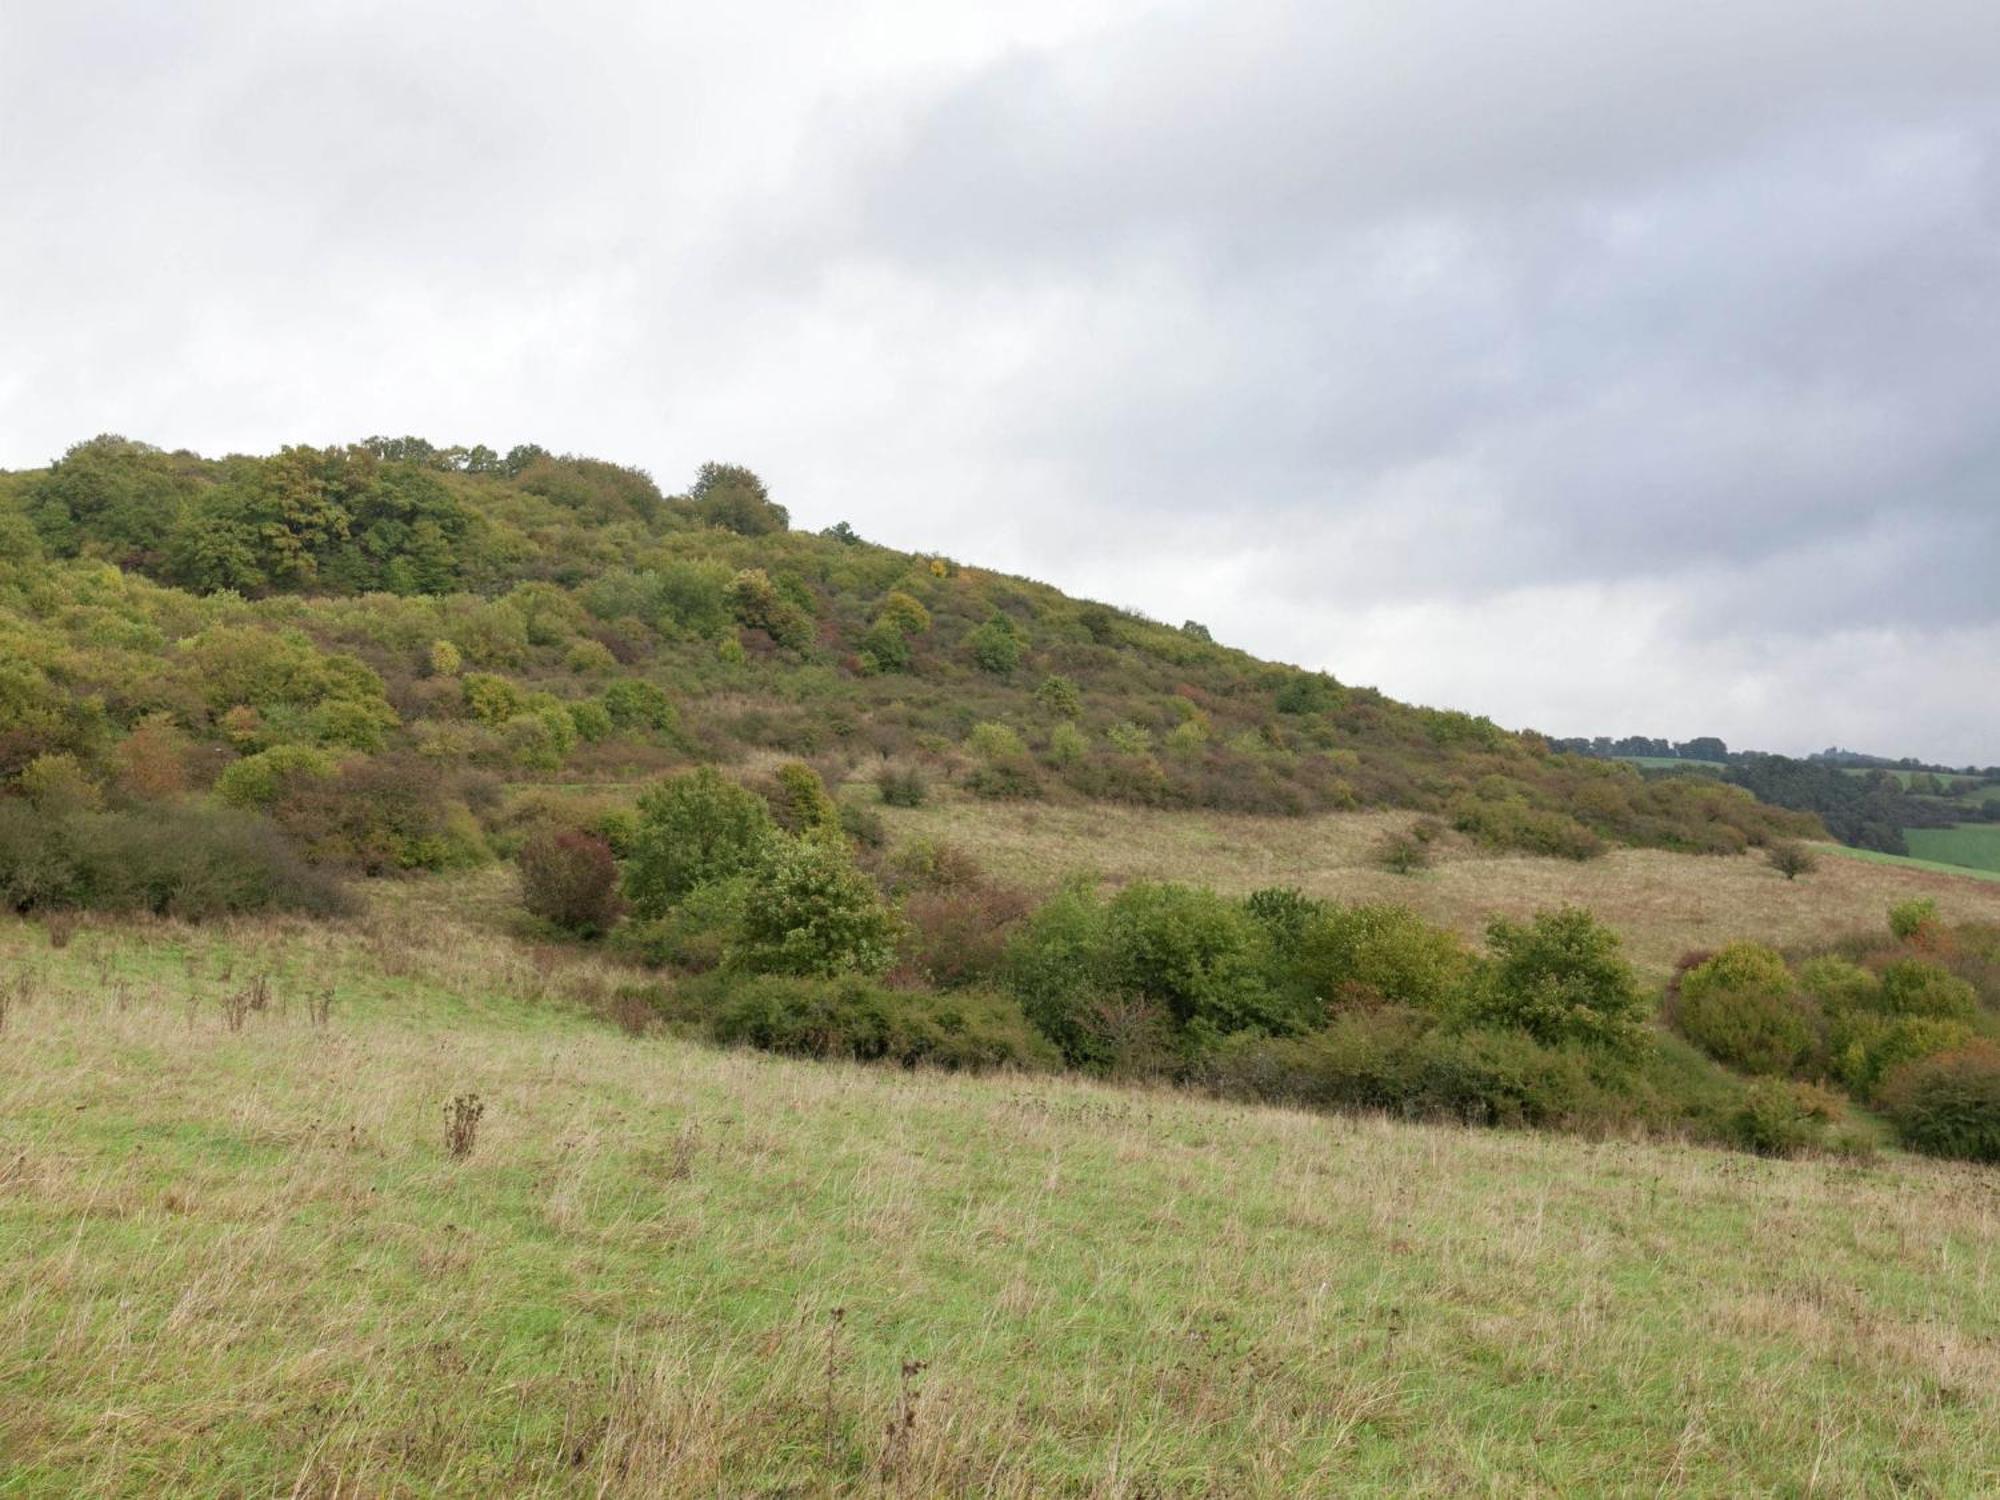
[(241, 1262), (1663, 904)]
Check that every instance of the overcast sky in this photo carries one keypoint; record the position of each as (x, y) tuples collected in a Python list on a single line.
[(1604, 367)]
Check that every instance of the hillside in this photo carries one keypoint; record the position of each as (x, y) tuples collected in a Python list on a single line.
[(437, 621), (818, 796), (446, 899), (242, 1261)]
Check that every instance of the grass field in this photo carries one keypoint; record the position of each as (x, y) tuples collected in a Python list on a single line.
[(1973, 845), (240, 1261), (1664, 904)]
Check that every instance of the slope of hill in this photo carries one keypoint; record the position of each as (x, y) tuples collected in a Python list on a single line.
[(457, 617), (243, 1259)]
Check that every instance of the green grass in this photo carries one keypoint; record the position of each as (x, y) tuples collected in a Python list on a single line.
[(1974, 846), (1668, 762), (240, 1262)]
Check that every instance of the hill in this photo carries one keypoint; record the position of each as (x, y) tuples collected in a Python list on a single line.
[(436, 621), (243, 1260)]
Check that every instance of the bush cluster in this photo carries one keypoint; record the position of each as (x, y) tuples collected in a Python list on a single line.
[(189, 862)]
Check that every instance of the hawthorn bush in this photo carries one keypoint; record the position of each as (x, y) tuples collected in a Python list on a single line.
[(570, 879), (1948, 1104)]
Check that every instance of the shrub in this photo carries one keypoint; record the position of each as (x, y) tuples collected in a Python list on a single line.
[(903, 611), (1055, 965), (1504, 1078), (932, 865), (1397, 1060), (1372, 953), (587, 657), (56, 784), (863, 825), (1067, 745), (1129, 739), (351, 723), (1283, 912), (264, 779), (885, 649), (1740, 968), (152, 761), (1912, 919), (1912, 987), (902, 788), (635, 704), (1202, 959), (1401, 853), (1359, 1061), (1791, 859), (443, 659), (733, 498), (1839, 985), (1511, 823), (591, 720), (698, 934), (1774, 1119), (382, 816), (692, 829), (995, 741), (1561, 978), (995, 647), (758, 604), (959, 937), (811, 912), (1752, 1030), (800, 803), (569, 878), (1060, 698), (189, 862), (1948, 1104), (1865, 1048), (488, 698), (851, 1018), (1009, 778)]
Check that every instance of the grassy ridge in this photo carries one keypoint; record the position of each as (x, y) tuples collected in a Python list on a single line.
[(242, 1262)]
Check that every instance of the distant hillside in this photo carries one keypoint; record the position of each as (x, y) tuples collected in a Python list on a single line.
[(369, 643), (1865, 801)]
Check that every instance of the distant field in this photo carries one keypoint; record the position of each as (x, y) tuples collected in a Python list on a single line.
[(1667, 762), (241, 1263), (1664, 904), (1973, 845)]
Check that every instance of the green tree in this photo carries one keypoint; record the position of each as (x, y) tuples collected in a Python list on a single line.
[(995, 646), (692, 828), (811, 912), (1560, 978), (732, 497), (1060, 698)]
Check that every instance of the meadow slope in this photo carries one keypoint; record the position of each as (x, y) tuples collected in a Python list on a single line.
[(1662, 904), (241, 1261)]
